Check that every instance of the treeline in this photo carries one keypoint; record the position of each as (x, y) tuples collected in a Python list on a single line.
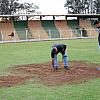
[(83, 6), (11, 7)]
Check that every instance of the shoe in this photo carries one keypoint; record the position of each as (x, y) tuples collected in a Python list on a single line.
[(66, 67), (56, 68)]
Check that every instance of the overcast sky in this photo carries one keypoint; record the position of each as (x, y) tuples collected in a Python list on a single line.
[(49, 6)]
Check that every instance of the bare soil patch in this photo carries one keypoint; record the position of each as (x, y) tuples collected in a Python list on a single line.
[(79, 72)]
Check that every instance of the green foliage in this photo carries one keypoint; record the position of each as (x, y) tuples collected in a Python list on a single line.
[(97, 5), (9, 7), (83, 6)]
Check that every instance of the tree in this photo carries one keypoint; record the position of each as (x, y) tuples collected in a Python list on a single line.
[(74, 6), (68, 5), (97, 6), (28, 8), (82, 6), (85, 6), (10, 7)]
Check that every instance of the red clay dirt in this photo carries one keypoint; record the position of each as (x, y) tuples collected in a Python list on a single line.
[(79, 72)]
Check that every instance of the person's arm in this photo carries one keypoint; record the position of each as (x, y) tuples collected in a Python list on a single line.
[(52, 56)]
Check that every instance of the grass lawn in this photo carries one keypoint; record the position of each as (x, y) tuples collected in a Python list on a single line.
[(39, 52)]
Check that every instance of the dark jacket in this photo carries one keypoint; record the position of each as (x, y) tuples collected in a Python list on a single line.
[(60, 48)]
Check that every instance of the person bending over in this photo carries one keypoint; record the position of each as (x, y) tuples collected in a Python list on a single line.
[(59, 48)]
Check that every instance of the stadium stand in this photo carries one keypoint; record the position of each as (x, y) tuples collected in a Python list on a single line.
[(36, 30), (86, 24), (50, 28), (73, 24), (65, 31), (20, 27), (7, 28)]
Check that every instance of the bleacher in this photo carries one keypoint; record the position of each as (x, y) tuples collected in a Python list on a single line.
[(45, 29), (73, 24), (50, 28), (36, 30), (7, 28), (63, 28), (20, 27), (86, 24)]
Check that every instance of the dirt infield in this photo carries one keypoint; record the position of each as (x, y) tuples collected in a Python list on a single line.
[(79, 72)]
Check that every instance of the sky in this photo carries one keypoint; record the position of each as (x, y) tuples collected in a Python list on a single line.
[(49, 6)]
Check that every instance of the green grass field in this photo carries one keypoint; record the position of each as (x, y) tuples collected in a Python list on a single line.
[(39, 52)]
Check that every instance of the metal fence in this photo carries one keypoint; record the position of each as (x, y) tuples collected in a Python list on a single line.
[(40, 35)]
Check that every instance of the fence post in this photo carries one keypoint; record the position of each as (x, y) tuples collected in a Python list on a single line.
[(2, 36), (38, 35), (81, 32), (14, 36), (60, 35), (50, 33), (26, 34), (71, 33), (90, 32)]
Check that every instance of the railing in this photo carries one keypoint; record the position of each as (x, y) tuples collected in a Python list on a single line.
[(39, 35)]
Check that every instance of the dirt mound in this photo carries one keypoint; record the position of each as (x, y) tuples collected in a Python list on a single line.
[(43, 73), (8, 81)]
